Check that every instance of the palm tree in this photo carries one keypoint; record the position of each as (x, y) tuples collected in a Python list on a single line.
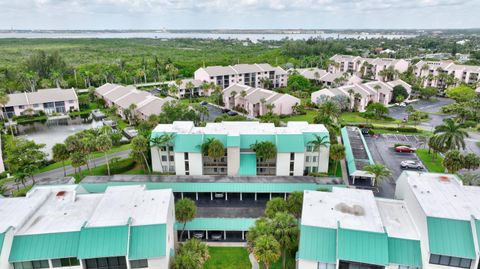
[(185, 211), (377, 89), (317, 143), (104, 144), (189, 87), (337, 153), (264, 150), (285, 230), (436, 145), (173, 89), (357, 98), (330, 110), (213, 148), (4, 99), (266, 250), (451, 134), (165, 140), (132, 116), (60, 154), (78, 159), (205, 88), (139, 147), (453, 161), (56, 77), (379, 172)]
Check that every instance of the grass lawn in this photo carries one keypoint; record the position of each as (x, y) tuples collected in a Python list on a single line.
[(307, 117), (94, 155), (119, 167), (228, 258), (331, 167), (421, 132), (289, 264), (433, 165)]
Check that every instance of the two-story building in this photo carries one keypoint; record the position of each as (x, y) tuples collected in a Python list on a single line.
[(64, 226), (253, 75), (257, 102), (295, 155), (444, 74)]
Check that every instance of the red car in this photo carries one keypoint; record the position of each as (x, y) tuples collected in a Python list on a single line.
[(405, 149)]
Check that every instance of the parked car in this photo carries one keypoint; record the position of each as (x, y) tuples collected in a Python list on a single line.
[(198, 235), (219, 195), (232, 113), (204, 103), (411, 165), (405, 149), (225, 110), (217, 236)]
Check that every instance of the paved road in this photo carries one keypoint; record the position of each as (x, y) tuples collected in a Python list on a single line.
[(58, 173)]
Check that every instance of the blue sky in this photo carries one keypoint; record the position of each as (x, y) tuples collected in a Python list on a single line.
[(227, 14)]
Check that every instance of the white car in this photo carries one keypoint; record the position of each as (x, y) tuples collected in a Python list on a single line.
[(411, 165)]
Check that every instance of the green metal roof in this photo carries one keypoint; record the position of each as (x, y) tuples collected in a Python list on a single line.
[(362, 246), (214, 187), (147, 241), (2, 237), (348, 151), (233, 141), (450, 237), (290, 143), (404, 252), (108, 241), (188, 142), (249, 139), (248, 165), (318, 244), (218, 224), (44, 246)]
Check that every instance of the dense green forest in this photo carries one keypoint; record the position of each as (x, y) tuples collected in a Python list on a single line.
[(29, 64)]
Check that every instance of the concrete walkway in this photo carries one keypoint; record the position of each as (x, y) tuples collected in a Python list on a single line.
[(253, 261)]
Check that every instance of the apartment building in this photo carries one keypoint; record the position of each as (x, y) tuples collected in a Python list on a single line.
[(369, 68), (253, 75), (258, 102), (64, 226), (444, 74), (189, 87), (433, 223), (126, 97), (326, 78), (295, 156), (362, 94), (50, 101)]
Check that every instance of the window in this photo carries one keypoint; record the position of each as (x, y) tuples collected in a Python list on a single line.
[(106, 263), (164, 158), (31, 265), (171, 158), (186, 156), (292, 156), (65, 262), (139, 263), (450, 261), (36, 105), (314, 159), (322, 265), (20, 107), (314, 169), (307, 159)]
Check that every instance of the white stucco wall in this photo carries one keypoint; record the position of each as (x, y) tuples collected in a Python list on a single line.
[(179, 163), (304, 264), (196, 163), (233, 160), (299, 164), (283, 164)]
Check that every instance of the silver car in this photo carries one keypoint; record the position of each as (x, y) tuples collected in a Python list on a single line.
[(216, 236), (411, 165)]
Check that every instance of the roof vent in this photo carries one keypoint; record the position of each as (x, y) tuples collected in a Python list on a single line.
[(444, 179), (61, 194)]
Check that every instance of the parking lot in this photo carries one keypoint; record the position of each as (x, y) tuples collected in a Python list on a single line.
[(382, 150)]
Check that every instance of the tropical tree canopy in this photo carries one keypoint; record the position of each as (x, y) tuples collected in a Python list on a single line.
[(275, 206), (265, 150), (451, 134), (213, 148), (266, 250), (453, 161), (379, 171)]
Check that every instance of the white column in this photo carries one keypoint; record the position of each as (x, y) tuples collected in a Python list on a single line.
[(226, 196), (243, 235), (285, 196), (211, 196), (255, 196), (241, 197), (270, 196), (188, 233), (224, 235), (206, 235), (182, 194), (196, 195)]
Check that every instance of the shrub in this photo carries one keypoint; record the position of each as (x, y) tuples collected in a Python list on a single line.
[(122, 166), (397, 91), (470, 124)]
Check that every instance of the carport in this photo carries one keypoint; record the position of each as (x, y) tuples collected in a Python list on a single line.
[(216, 229), (357, 154)]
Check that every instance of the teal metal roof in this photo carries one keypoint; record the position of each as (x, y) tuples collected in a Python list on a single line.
[(147, 241), (233, 141), (249, 139), (218, 224), (450, 237), (213, 187), (221, 137), (362, 246), (108, 241), (318, 244), (307, 137), (188, 142), (2, 237), (248, 165), (44, 246), (290, 143), (348, 151), (404, 252), (477, 227)]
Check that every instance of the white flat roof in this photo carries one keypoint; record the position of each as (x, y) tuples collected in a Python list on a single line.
[(120, 203), (396, 219), (15, 211), (350, 208), (240, 127), (443, 195)]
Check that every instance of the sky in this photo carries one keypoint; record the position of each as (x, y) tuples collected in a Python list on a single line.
[(239, 14)]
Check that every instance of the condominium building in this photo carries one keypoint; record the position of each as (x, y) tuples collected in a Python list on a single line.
[(253, 75), (257, 102), (361, 95), (326, 78), (433, 223), (49, 101), (444, 74), (295, 155), (370, 68), (143, 103), (189, 87), (126, 227)]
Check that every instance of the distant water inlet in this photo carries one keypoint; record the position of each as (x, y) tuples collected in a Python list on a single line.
[(55, 130)]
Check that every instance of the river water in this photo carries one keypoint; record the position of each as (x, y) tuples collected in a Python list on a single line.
[(49, 135), (168, 35)]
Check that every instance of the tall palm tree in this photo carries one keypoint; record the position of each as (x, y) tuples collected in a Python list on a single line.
[(60, 154), (329, 109), (337, 153), (285, 230), (4, 99), (165, 140), (379, 172), (213, 148), (317, 143), (189, 87), (264, 150), (451, 134), (104, 144), (266, 250)]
